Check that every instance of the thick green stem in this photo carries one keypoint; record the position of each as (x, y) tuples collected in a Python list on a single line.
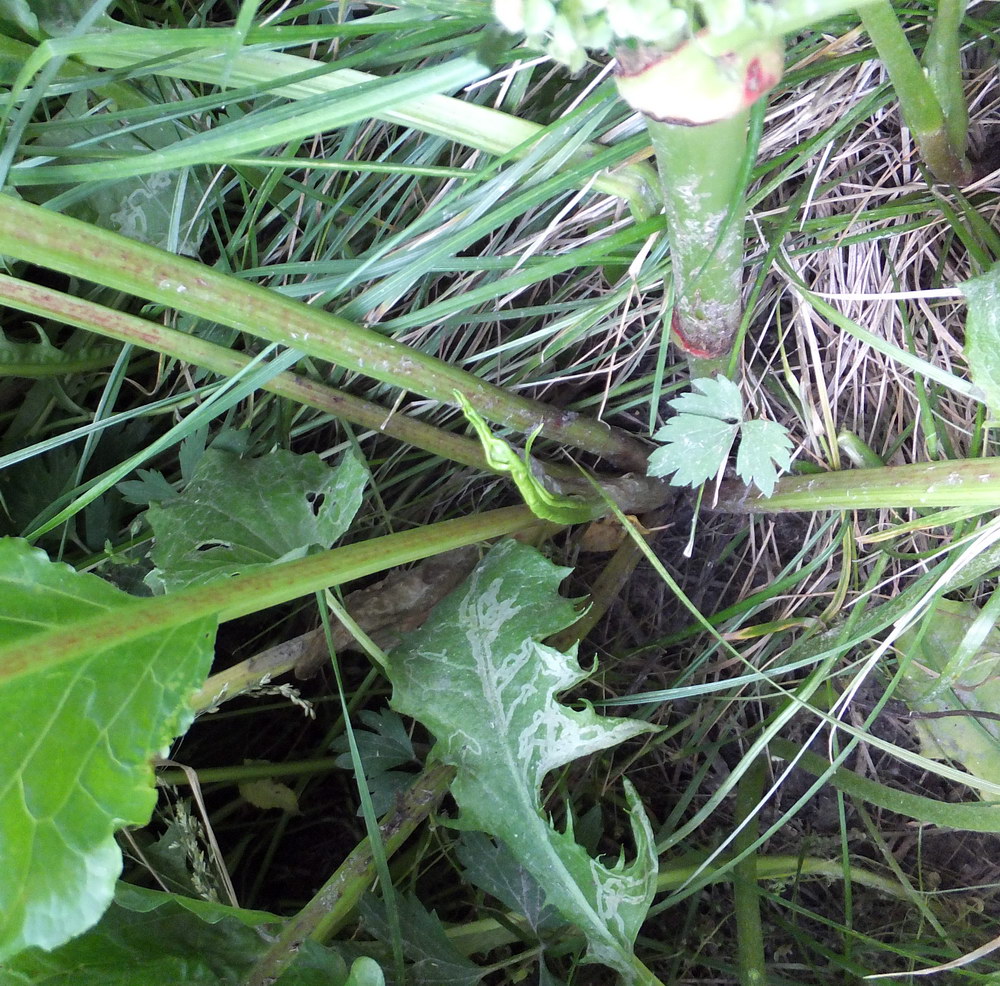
[(701, 175), (46, 238), (47, 303), (244, 594), (339, 896), (943, 64), (955, 483), (921, 110)]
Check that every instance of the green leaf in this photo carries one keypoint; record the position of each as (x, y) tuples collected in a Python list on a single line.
[(20, 12), (982, 336), (150, 937), (237, 515), (764, 449), (943, 674), (383, 745), (477, 677), (434, 959), (42, 359), (75, 761), (695, 450), (491, 866), (700, 436), (719, 398)]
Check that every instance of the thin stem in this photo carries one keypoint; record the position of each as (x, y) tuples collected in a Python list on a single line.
[(339, 896), (634, 493), (746, 892), (46, 238), (48, 303), (231, 598)]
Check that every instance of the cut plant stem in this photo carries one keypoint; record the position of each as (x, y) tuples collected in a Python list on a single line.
[(951, 483), (704, 201)]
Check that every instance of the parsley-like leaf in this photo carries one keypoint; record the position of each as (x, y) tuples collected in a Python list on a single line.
[(698, 439), (764, 449)]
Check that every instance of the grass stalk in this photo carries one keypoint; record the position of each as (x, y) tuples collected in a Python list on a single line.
[(746, 892), (210, 58), (42, 237)]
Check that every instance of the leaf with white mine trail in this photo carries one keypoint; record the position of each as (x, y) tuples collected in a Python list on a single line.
[(477, 677), (982, 336)]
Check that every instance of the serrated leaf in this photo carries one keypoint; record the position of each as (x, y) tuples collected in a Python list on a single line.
[(971, 741), (42, 359), (982, 336), (237, 515), (478, 678), (434, 959), (383, 745), (150, 487), (764, 449), (719, 398), (79, 736), (696, 448)]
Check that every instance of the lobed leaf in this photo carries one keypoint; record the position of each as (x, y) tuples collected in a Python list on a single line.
[(764, 449), (478, 678), (237, 515)]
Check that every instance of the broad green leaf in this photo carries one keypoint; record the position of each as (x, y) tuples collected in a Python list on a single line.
[(75, 759), (148, 937), (477, 677), (936, 656), (765, 447), (982, 336), (237, 515)]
